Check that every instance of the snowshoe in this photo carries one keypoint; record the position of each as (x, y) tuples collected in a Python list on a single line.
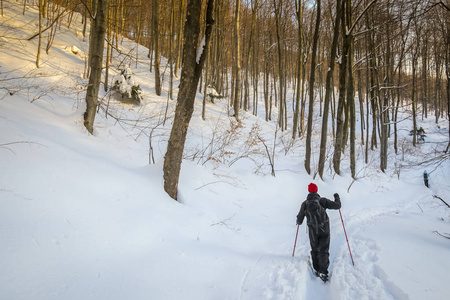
[(323, 276)]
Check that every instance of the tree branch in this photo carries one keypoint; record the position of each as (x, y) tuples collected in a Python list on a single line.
[(49, 26), (360, 16)]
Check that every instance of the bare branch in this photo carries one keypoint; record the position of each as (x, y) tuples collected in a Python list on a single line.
[(360, 16), (49, 26)]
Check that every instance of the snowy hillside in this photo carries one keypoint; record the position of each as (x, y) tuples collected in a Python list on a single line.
[(86, 216)]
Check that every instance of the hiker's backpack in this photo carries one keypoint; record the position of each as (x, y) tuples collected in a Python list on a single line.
[(316, 215)]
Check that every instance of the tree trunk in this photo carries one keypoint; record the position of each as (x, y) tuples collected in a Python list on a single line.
[(351, 91), (384, 100), (40, 33), (329, 89), (413, 98), (155, 16), (96, 46), (172, 33), (374, 86), (247, 58), (312, 78), (281, 72), (190, 75), (237, 62), (108, 52), (266, 86), (338, 145), (179, 38), (424, 75), (205, 91), (447, 68), (299, 69)]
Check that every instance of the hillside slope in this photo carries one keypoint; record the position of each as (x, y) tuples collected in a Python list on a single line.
[(86, 217)]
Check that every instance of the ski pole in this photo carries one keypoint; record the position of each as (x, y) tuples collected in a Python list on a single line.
[(295, 243), (350, 251)]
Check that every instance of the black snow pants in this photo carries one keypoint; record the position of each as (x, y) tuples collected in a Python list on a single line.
[(320, 244)]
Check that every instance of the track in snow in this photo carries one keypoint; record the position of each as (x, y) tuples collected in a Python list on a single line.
[(280, 276)]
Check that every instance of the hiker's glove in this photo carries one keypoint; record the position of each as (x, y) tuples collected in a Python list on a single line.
[(336, 196)]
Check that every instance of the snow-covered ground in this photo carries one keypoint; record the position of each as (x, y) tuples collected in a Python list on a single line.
[(86, 217)]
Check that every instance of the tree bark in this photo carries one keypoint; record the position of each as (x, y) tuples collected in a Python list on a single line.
[(328, 90), (351, 91), (190, 75), (338, 145), (237, 62), (179, 38), (299, 69), (155, 16), (413, 97), (96, 46), (281, 72), (447, 68), (40, 33), (312, 78)]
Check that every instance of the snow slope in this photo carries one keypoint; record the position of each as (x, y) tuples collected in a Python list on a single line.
[(86, 217)]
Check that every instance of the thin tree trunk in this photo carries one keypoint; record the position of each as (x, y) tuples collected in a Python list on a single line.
[(266, 87), (299, 69), (172, 32), (338, 145), (361, 105), (155, 16), (247, 58), (237, 62), (40, 34), (108, 52), (312, 78), (374, 86), (447, 70), (424, 76), (351, 91), (179, 37), (205, 91), (281, 71), (329, 89), (384, 100), (413, 98)]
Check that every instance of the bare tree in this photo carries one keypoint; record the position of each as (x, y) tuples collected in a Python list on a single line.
[(96, 47), (329, 89), (190, 75), (311, 89), (237, 61), (299, 67), (41, 8), (155, 16)]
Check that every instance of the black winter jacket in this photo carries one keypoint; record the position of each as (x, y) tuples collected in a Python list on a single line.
[(326, 203)]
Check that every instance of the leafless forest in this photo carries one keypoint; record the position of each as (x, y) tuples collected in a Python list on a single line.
[(295, 56)]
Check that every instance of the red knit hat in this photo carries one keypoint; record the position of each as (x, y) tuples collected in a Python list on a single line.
[(312, 188)]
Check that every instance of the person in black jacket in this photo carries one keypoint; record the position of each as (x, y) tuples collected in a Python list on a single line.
[(319, 228), (425, 178)]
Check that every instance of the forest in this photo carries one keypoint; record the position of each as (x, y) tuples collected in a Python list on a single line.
[(383, 55)]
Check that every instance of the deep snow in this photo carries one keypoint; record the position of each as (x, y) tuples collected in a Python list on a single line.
[(86, 217)]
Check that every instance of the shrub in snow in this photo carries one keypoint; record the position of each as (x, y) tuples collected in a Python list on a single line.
[(126, 86), (420, 134), (212, 93)]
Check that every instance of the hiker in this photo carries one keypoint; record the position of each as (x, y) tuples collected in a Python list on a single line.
[(425, 178), (319, 228)]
